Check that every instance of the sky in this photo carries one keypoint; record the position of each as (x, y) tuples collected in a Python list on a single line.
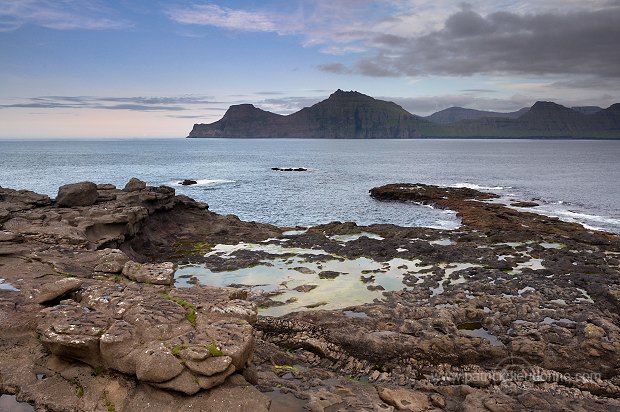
[(151, 68)]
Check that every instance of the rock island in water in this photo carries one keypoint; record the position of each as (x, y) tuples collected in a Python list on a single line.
[(138, 299)]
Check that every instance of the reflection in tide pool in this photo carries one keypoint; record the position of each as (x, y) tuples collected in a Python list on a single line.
[(8, 403), (302, 284)]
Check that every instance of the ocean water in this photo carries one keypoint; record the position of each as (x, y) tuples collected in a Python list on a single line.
[(574, 180)]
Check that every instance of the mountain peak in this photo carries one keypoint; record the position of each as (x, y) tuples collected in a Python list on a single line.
[(340, 94), (544, 105)]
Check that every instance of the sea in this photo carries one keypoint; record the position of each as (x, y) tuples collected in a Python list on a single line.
[(575, 180)]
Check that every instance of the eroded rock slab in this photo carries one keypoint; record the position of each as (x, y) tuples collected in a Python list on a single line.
[(154, 334)]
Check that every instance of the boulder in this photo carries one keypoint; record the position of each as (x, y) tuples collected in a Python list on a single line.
[(153, 273), (77, 194), (134, 185), (111, 261)]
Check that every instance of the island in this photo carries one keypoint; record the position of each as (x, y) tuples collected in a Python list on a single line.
[(353, 115), (118, 300)]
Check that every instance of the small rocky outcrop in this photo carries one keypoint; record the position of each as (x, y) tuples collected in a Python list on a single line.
[(77, 194)]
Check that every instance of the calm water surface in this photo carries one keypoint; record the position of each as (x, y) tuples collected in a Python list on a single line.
[(575, 180)]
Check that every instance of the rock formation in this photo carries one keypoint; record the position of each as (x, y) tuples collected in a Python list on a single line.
[(511, 311)]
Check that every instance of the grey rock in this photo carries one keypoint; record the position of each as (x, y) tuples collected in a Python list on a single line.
[(77, 194)]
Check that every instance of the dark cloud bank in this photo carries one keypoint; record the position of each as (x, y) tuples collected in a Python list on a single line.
[(582, 43)]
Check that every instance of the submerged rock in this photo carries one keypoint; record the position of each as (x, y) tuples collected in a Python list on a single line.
[(188, 182)]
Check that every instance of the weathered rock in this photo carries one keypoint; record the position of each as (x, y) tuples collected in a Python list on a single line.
[(404, 399), (152, 273), (164, 340), (156, 363), (52, 291), (106, 186), (77, 194), (134, 185), (17, 200), (6, 236), (543, 292), (329, 274), (111, 261)]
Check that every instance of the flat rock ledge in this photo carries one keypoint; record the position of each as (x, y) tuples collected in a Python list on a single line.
[(170, 339)]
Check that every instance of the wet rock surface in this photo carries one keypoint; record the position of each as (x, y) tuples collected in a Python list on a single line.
[(512, 311)]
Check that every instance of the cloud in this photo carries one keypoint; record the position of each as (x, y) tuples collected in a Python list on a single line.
[(227, 18), (59, 15), (437, 37), (143, 104), (583, 42), (337, 68)]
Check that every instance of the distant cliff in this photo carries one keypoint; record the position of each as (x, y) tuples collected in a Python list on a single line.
[(343, 115), (455, 114), (352, 115)]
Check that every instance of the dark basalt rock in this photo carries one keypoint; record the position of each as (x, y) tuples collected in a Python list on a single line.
[(188, 182), (289, 169)]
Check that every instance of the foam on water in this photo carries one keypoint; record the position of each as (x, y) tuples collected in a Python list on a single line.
[(478, 187), (355, 236), (201, 182)]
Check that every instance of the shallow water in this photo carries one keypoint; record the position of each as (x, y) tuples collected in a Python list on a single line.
[(7, 286), (357, 281)]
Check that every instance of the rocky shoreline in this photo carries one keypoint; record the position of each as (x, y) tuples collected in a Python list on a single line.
[(511, 311)]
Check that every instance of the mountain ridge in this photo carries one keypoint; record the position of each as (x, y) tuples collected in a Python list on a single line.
[(353, 115)]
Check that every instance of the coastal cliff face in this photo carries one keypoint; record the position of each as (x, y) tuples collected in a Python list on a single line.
[(352, 115), (344, 115)]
